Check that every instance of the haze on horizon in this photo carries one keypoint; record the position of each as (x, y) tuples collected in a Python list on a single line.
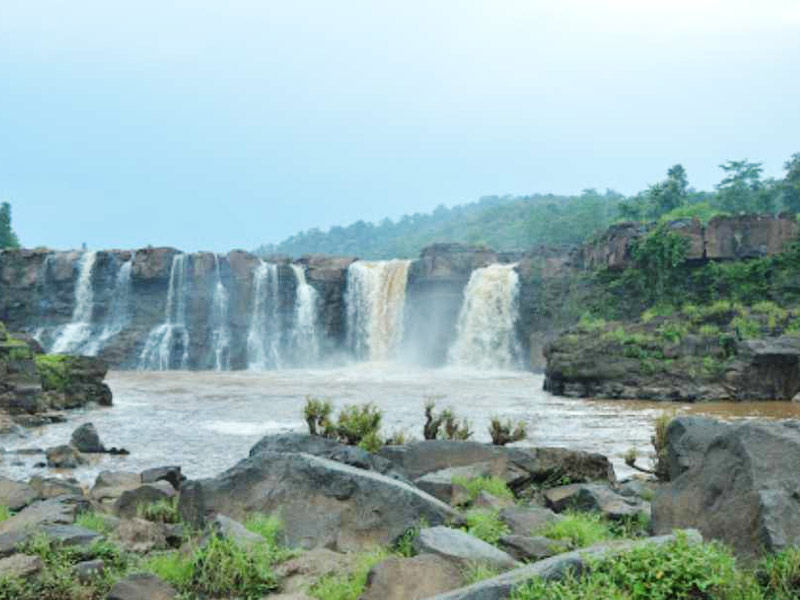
[(209, 125)]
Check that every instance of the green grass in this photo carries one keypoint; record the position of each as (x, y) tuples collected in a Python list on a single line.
[(475, 572), (93, 521), (5, 513), (492, 485), (161, 511), (579, 529), (54, 371), (348, 586), (485, 525), (173, 567)]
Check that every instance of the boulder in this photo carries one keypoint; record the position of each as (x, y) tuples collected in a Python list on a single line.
[(139, 535), (299, 573), (554, 568), (128, 504), (20, 565), (86, 439), (548, 466), (142, 586), (89, 570), (322, 503), (15, 495), (326, 448), (420, 458), (527, 520), (171, 474), (414, 578), (54, 511), (51, 487), (439, 484), (65, 535), (235, 531), (532, 548), (110, 485), (486, 500), (64, 457), (594, 497), (687, 439), (460, 547), (745, 491)]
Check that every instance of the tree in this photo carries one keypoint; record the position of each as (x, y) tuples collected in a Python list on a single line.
[(791, 184), (742, 189), (669, 194), (8, 239)]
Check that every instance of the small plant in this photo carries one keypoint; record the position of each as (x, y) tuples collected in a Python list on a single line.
[(161, 511), (94, 522), (709, 330), (173, 567), (579, 529), (673, 332), (492, 485), (779, 574), (223, 568), (398, 438), (5, 514), (502, 432), (485, 525), (746, 328), (453, 429), (659, 442), (478, 571), (317, 414), (347, 586), (356, 423)]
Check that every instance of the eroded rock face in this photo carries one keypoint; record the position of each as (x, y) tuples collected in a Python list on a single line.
[(745, 491), (322, 503)]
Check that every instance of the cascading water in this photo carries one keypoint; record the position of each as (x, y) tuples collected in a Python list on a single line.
[(220, 335), (304, 335), (79, 330), (486, 333), (171, 335), (263, 336), (375, 298), (119, 313)]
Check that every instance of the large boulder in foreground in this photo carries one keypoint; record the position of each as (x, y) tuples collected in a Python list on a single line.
[(321, 502), (688, 438), (745, 491)]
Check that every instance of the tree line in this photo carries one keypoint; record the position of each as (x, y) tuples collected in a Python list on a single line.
[(522, 222), (8, 239)]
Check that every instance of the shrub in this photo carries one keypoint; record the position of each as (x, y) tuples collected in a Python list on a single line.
[(746, 328), (492, 485), (161, 511), (709, 330), (94, 522), (579, 529), (502, 432), (485, 525), (659, 442), (453, 429), (355, 423), (673, 332), (223, 568), (779, 574), (317, 414), (54, 371), (590, 324)]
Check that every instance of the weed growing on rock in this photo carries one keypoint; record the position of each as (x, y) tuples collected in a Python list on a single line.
[(453, 428), (579, 529), (485, 525), (317, 414), (492, 485), (348, 586), (93, 522), (5, 514), (161, 511), (504, 432), (475, 572)]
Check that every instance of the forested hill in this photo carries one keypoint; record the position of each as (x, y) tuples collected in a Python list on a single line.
[(503, 223), (522, 222)]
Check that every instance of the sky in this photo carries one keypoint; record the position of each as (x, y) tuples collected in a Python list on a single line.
[(210, 124)]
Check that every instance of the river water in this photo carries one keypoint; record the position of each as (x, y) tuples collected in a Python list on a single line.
[(207, 421)]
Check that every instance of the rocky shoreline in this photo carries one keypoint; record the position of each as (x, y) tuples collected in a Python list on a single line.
[(446, 519)]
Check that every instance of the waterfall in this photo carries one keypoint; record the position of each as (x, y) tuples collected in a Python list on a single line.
[(304, 335), (220, 335), (375, 299), (263, 336), (486, 333), (119, 313), (78, 331), (172, 334)]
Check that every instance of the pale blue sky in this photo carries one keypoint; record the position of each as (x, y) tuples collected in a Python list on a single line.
[(220, 124)]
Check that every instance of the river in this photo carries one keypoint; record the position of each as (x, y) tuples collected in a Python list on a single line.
[(206, 421)]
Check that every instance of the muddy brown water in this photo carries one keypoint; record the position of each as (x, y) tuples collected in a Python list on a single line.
[(207, 421)]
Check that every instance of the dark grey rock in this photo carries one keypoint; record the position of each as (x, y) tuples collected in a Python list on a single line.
[(51, 487), (15, 495), (527, 520), (64, 457), (142, 587), (688, 438), (20, 565), (235, 531), (171, 474), (459, 546), (86, 439), (532, 548), (128, 504), (89, 570), (594, 497)]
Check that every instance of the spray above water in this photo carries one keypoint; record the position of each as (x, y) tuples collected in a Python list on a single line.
[(375, 301), (172, 336), (79, 330), (486, 331)]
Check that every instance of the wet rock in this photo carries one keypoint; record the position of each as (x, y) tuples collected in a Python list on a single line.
[(139, 535), (527, 520), (20, 565), (594, 497), (327, 448), (299, 573), (51, 487), (130, 501), (531, 548), (142, 586), (461, 547), (86, 439), (414, 578), (15, 495), (744, 492), (322, 503), (64, 457), (171, 474), (553, 568), (89, 570)]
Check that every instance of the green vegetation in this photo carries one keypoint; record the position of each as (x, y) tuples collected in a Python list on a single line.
[(505, 432), (161, 511), (672, 571), (492, 485), (8, 239), (475, 572), (485, 524), (579, 529), (355, 426), (94, 522), (444, 425), (54, 370), (348, 586)]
